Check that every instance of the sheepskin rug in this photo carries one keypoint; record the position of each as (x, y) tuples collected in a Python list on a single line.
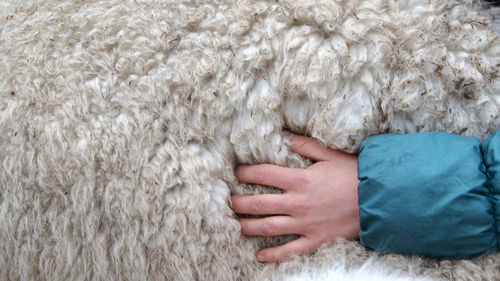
[(121, 123)]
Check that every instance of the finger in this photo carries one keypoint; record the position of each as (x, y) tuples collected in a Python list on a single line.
[(261, 204), (269, 226), (296, 247), (309, 147), (271, 175)]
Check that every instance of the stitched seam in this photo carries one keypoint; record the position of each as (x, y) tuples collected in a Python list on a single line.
[(492, 200), (495, 218)]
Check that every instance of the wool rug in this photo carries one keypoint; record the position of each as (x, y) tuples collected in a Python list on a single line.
[(121, 123)]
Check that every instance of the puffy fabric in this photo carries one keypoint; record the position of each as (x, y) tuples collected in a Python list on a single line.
[(427, 194)]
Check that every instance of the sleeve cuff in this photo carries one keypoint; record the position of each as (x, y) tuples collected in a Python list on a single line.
[(426, 194), (491, 156)]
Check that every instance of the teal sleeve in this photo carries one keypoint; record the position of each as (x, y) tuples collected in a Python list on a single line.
[(429, 194)]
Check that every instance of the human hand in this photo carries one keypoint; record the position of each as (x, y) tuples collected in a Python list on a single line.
[(319, 203)]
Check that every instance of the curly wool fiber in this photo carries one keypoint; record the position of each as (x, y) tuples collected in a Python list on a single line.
[(121, 123)]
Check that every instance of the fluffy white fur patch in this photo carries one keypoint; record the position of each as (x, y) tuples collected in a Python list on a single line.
[(370, 271), (121, 122)]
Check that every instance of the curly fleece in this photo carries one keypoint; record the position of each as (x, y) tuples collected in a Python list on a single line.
[(121, 122)]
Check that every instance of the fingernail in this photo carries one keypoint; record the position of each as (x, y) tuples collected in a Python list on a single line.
[(288, 134), (260, 258)]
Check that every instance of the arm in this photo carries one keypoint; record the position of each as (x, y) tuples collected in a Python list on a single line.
[(427, 193)]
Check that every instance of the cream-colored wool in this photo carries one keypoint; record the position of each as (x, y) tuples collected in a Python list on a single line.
[(121, 123), (335, 270)]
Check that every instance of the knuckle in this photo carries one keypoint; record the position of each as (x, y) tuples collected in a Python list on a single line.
[(260, 174), (302, 206), (275, 257), (255, 205), (287, 253), (303, 143), (301, 180), (268, 228)]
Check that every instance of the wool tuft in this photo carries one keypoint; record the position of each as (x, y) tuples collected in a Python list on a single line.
[(121, 124)]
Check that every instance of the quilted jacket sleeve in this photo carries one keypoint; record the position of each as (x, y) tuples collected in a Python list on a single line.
[(434, 194)]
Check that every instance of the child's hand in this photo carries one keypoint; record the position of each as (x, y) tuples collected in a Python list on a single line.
[(319, 203)]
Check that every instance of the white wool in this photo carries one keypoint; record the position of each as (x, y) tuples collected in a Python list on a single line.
[(121, 123), (370, 271)]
